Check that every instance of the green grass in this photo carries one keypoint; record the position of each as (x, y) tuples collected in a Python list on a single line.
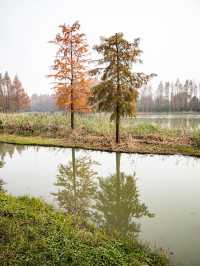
[(33, 233), (59, 125), (52, 124), (31, 140)]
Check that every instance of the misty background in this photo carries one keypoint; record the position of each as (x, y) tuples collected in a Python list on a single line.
[(169, 32)]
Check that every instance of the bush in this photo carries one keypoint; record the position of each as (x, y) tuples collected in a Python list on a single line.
[(146, 129)]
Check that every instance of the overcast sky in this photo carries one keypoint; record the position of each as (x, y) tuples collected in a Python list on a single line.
[(169, 29)]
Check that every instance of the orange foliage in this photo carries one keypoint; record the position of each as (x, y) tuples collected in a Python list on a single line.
[(81, 93), (19, 98), (72, 86)]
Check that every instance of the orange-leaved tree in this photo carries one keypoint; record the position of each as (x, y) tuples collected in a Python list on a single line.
[(19, 98), (72, 85), (13, 97)]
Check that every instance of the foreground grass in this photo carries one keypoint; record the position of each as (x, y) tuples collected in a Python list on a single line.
[(96, 132), (33, 233)]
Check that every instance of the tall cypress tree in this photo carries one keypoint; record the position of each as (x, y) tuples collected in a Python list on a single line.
[(118, 90), (13, 97), (70, 70)]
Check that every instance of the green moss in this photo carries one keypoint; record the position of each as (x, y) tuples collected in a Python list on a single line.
[(33, 233)]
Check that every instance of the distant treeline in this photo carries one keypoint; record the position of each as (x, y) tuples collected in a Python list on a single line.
[(170, 97), (13, 98), (43, 103), (167, 97)]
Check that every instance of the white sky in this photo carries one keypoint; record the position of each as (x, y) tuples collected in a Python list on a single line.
[(170, 32)]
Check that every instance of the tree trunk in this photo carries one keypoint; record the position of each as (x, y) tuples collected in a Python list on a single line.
[(72, 114), (117, 139), (72, 82)]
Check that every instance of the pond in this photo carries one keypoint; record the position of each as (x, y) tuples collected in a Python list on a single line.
[(155, 198)]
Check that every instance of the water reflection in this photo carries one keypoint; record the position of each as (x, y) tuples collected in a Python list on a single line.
[(168, 185), (9, 149), (76, 185), (118, 204), (2, 183), (111, 202)]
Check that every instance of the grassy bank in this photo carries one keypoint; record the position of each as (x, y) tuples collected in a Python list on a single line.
[(102, 144), (33, 233), (96, 132)]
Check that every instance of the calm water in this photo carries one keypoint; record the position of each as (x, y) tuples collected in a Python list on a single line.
[(180, 121), (156, 198)]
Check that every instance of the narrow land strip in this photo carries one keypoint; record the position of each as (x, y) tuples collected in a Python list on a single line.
[(128, 145)]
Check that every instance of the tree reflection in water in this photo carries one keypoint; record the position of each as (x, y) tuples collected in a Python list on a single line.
[(111, 202), (2, 183), (9, 149), (118, 204), (76, 185)]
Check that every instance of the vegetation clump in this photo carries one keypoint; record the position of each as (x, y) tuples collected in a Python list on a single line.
[(33, 233)]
